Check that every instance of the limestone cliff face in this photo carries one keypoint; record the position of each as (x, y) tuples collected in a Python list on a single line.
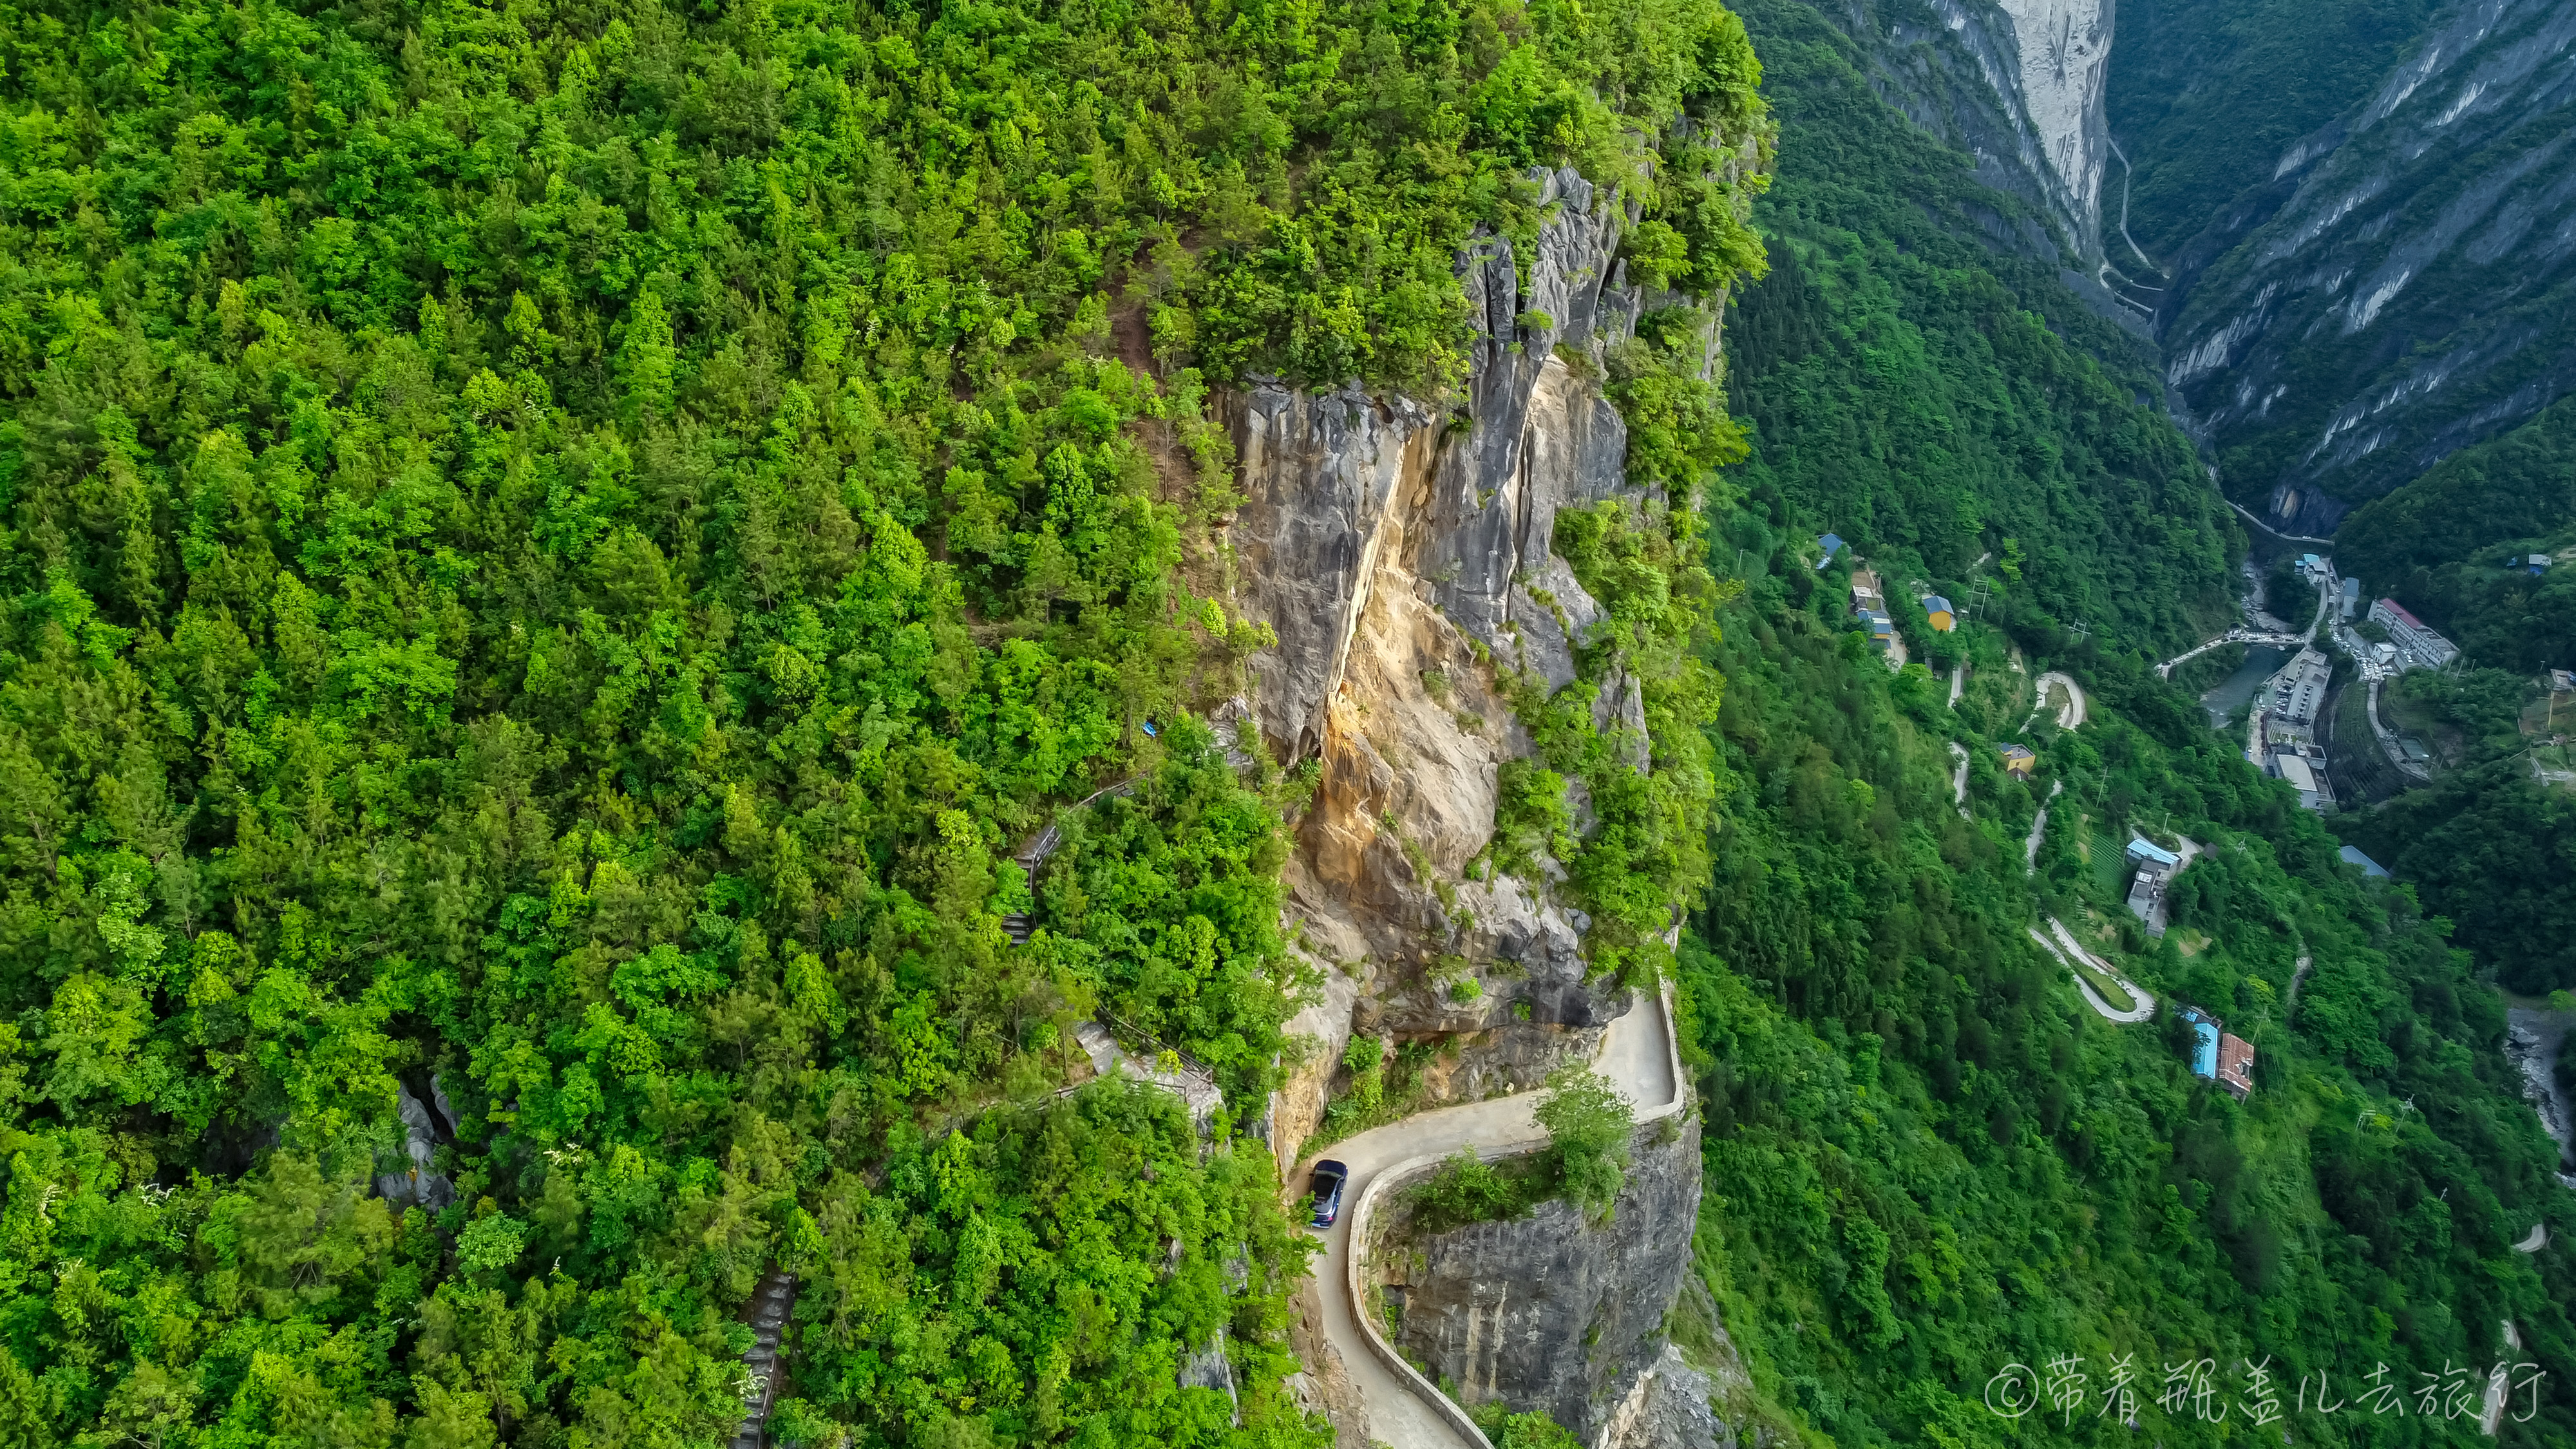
[(1553, 1312), (2018, 84), (2064, 48), (1403, 556)]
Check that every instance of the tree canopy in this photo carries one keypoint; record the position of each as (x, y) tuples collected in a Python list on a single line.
[(553, 555)]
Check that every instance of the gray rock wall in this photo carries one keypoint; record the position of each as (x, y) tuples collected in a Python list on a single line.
[(1324, 473), (1404, 556), (1553, 1313), (1668, 1409)]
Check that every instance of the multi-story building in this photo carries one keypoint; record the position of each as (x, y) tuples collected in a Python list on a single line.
[(2155, 866), (2418, 646), (2300, 688)]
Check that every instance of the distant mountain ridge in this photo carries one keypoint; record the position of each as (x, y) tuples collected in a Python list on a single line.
[(2402, 286), (2018, 85)]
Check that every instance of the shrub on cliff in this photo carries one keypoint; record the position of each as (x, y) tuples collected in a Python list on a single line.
[(1588, 1126)]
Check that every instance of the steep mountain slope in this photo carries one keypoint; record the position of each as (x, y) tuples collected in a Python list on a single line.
[(2205, 96), (2404, 284), (2015, 87), (1927, 389), (623, 671), (1929, 1159), (2455, 545)]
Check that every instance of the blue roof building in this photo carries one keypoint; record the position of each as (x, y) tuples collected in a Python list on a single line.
[(1833, 543), (2142, 850), (2369, 867), (2217, 1056)]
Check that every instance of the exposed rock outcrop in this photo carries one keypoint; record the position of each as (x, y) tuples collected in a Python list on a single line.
[(1324, 1026), (2396, 290), (1552, 1312), (1668, 1408), (2065, 52), (1405, 560), (2019, 86), (2532, 1041), (1209, 1368), (1405, 557), (1324, 1385), (415, 1180)]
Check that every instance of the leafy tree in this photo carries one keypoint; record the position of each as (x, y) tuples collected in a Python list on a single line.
[(555, 560), (1588, 1127)]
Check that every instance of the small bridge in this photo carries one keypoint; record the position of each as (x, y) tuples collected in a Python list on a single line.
[(2232, 636)]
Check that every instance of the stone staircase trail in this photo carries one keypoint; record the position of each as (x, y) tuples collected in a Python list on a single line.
[(1020, 925), (770, 1304)]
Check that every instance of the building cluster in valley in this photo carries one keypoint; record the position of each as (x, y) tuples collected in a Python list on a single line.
[(2291, 734), (2411, 643), (2290, 743)]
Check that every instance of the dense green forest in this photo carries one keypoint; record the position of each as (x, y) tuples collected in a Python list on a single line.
[(557, 551), (1937, 402), (2488, 845), (1927, 1159)]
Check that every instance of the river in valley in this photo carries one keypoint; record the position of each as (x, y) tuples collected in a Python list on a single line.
[(2262, 661)]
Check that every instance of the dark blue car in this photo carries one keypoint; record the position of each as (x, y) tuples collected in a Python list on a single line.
[(1327, 1190)]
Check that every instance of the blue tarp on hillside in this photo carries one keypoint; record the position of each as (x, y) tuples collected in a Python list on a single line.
[(2369, 867)]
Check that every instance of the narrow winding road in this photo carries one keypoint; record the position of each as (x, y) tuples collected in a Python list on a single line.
[(2388, 746), (2143, 1005), (2070, 715), (2038, 830), (1642, 1060), (1959, 780)]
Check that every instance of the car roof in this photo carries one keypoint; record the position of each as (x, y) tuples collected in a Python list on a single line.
[(1329, 1165)]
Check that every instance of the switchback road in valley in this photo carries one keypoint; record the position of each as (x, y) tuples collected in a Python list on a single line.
[(2143, 1006)]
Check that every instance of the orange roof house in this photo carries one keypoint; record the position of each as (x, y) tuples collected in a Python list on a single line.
[(2236, 1065)]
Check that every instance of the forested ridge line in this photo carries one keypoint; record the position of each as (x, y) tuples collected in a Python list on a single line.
[(553, 552)]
